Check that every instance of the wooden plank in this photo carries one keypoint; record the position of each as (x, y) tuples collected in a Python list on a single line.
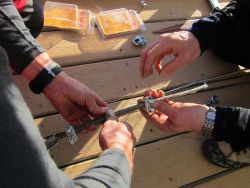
[(156, 10), (168, 163), (70, 48), (115, 79), (88, 146), (239, 178), (233, 92)]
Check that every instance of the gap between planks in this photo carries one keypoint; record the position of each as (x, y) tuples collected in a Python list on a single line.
[(115, 79), (78, 50), (145, 132)]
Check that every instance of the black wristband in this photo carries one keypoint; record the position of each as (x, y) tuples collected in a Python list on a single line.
[(44, 77)]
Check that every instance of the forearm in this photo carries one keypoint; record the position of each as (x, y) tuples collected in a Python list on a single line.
[(16, 39), (233, 126), (110, 170), (25, 158)]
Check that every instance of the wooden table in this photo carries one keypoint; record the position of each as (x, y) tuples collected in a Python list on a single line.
[(111, 68)]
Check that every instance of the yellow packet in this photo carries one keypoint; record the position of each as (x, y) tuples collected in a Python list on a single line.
[(67, 16), (60, 15), (113, 22)]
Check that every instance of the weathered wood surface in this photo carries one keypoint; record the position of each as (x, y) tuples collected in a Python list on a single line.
[(111, 68), (69, 48), (167, 163), (156, 10), (239, 178), (115, 79), (231, 94)]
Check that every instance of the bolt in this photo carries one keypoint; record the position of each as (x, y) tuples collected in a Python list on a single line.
[(212, 100), (143, 3)]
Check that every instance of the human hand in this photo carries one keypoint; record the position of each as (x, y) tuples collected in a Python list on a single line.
[(119, 135), (74, 100), (182, 44), (176, 116)]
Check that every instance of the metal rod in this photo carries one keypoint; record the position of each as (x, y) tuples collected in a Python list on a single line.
[(130, 109), (183, 93), (52, 139)]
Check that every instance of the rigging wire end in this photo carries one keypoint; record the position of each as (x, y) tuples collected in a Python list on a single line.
[(71, 133), (148, 101)]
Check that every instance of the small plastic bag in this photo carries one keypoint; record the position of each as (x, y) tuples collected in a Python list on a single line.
[(118, 21), (138, 24), (67, 16)]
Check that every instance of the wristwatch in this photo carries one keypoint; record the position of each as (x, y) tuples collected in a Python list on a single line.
[(44, 77), (209, 122)]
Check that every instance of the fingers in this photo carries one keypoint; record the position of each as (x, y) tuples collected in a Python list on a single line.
[(160, 120), (182, 44), (153, 55), (144, 56), (171, 66), (100, 101), (165, 108), (150, 117), (92, 103), (154, 93)]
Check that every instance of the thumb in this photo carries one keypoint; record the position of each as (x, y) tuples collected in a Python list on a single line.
[(94, 107), (172, 66), (164, 108)]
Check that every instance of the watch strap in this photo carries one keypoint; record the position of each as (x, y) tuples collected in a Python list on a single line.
[(44, 77), (209, 122)]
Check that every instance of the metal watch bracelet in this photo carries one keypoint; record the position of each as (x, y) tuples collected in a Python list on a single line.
[(208, 127)]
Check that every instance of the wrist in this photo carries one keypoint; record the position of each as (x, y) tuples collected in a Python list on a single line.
[(45, 77), (195, 44), (203, 109), (56, 84), (36, 66), (128, 152), (209, 122)]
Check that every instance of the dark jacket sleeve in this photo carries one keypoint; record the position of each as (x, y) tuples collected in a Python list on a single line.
[(226, 32), (233, 126), (15, 38)]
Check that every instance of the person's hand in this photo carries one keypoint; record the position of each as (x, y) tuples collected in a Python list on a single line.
[(183, 45), (119, 135), (176, 116), (74, 100), (71, 98)]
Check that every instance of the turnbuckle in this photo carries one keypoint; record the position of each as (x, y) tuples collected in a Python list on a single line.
[(148, 101), (146, 104), (71, 133)]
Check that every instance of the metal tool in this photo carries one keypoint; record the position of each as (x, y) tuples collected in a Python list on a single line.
[(146, 103), (177, 27), (143, 3), (139, 41), (214, 4), (212, 100), (173, 28)]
